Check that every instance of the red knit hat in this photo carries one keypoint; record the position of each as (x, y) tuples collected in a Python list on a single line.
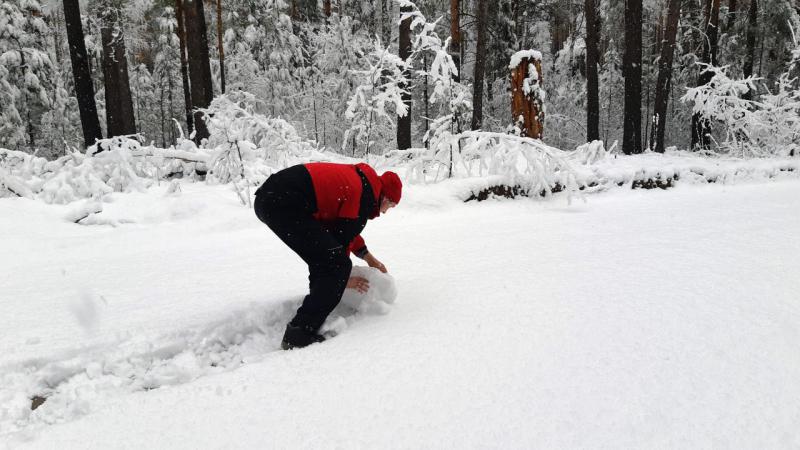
[(392, 186)]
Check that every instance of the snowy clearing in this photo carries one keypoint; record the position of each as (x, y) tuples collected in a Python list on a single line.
[(636, 319)]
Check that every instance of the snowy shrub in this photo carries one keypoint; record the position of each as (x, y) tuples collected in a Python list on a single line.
[(244, 148), (590, 152), (524, 162), (119, 164), (377, 99), (769, 126), (247, 146)]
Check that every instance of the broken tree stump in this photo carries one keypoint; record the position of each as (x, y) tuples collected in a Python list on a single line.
[(527, 94)]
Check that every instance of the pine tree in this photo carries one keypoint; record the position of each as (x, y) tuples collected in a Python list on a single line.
[(84, 89), (701, 128), (632, 71), (455, 37), (665, 75), (592, 58), (481, 16), (404, 121), (120, 119), (199, 65), (27, 74), (187, 90)]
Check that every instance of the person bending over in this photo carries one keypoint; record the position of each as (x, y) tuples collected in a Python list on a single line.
[(319, 210)]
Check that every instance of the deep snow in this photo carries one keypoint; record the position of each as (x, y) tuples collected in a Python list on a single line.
[(636, 319)]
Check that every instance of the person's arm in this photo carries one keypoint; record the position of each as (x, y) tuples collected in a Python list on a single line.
[(358, 247), (372, 261)]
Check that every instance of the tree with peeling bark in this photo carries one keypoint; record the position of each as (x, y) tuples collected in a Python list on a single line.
[(455, 37), (632, 71), (84, 88), (701, 127), (527, 94), (665, 75)]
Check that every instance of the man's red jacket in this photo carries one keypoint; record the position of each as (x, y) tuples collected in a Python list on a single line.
[(338, 189)]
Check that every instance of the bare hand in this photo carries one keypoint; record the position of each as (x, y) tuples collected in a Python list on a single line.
[(373, 262), (358, 283)]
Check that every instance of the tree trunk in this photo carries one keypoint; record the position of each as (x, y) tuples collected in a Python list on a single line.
[(455, 37), (404, 122), (326, 7), (480, 66), (701, 128), (220, 48), (752, 30), (731, 14), (304, 10), (386, 21), (632, 71), (592, 84), (527, 110), (84, 89), (199, 66), (119, 103), (187, 92), (665, 75)]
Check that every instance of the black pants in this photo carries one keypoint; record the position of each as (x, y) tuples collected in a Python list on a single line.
[(286, 202)]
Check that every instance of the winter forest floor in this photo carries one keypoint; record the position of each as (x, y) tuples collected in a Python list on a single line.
[(636, 319)]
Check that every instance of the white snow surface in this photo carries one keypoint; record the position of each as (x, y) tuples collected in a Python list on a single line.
[(635, 319)]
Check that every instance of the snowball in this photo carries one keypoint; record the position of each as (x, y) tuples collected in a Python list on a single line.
[(382, 292)]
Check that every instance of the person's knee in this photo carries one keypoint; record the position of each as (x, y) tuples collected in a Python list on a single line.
[(345, 265), (334, 262)]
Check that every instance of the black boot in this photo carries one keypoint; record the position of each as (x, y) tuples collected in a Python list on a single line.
[(299, 337)]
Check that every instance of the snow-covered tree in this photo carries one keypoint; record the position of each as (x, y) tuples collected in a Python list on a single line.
[(26, 73)]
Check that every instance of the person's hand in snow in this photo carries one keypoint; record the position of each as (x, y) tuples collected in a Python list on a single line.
[(373, 262), (358, 283)]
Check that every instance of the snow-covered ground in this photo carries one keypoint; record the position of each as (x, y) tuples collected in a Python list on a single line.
[(639, 319)]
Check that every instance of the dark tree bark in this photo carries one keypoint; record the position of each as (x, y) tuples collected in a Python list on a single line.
[(701, 128), (592, 84), (326, 7), (404, 122), (119, 104), (665, 75), (187, 92), (199, 66), (455, 37), (480, 66), (386, 21), (752, 29), (731, 13), (304, 10), (632, 71), (220, 48), (84, 89)]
